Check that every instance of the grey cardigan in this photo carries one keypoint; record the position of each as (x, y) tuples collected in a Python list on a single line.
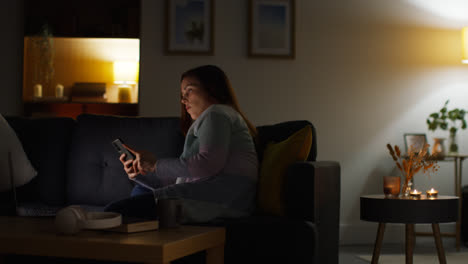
[(217, 172)]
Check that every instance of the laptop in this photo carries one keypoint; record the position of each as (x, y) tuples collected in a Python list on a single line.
[(28, 209)]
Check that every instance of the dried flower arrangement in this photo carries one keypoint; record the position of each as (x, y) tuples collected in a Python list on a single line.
[(413, 163)]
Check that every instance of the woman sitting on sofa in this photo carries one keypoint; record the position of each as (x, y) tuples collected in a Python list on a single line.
[(216, 174)]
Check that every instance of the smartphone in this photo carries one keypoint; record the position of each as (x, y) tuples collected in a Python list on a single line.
[(122, 150)]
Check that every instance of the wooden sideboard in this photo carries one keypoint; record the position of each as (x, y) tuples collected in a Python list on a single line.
[(73, 109)]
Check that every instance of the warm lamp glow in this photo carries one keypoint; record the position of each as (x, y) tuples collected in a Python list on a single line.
[(465, 45), (454, 10), (125, 72)]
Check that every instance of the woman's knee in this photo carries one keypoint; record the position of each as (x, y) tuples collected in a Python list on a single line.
[(141, 206)]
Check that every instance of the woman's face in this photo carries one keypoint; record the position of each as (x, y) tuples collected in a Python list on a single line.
[(195, 99)]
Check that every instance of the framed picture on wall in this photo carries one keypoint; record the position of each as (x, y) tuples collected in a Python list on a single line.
[(189, 27), (417, 141), (271, 29)]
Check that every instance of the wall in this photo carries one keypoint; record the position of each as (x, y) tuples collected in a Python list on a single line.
[(11, 52), (365, 73)]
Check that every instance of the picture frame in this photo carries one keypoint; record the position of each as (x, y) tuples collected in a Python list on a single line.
[(271, 29), (189, 27), (416, 139)]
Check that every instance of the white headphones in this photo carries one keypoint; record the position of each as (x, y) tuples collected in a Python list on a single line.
[(70, 220)]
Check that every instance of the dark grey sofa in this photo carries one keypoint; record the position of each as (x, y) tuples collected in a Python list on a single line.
[(77, 165)]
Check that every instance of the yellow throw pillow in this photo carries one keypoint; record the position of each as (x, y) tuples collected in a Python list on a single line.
[(277, 157)]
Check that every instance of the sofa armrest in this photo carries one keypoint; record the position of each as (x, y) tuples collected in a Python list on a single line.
[(312, 193)]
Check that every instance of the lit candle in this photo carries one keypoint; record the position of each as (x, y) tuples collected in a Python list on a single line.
[(432, 193), (415, 194)]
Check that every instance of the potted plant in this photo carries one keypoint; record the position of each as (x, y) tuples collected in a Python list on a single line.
[(441, 120), (43, 52)]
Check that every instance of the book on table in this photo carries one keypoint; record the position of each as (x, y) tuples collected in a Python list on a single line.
[(132, 225)]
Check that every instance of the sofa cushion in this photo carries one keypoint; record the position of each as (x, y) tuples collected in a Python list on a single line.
[(46, 142), (281, 131), (95, 174), (277, 157)]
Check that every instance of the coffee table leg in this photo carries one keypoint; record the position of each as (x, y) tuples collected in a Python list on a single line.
[(409, 243), (215, 255), (438, 242), (378, 243)]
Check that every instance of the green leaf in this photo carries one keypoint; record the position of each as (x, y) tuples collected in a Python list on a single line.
[(453, 130), (463, 124), (444, 126), (434, 115), (443, 110), (452, 115)]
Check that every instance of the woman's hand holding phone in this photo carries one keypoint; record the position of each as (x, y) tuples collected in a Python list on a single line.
[(143, 163)]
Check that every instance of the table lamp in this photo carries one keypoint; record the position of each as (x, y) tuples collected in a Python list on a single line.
[(126, 76), (465, 45)]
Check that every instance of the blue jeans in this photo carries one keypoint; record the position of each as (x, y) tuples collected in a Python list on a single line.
[(140, 204), (139, 190)]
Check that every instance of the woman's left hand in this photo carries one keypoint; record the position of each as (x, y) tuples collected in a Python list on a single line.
[(144, 161)]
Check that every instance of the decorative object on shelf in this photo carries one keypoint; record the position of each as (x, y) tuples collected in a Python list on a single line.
[(88, 92), (432, 193), (190, 27), (43, 53), (37, 91), (271, 29), (412, 163), (440, 120), (415, 194), (417, 140), (125, 94), (59, 90), (438, 149), (126, 76), (391, 186)]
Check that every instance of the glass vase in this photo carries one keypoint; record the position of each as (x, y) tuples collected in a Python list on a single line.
[(407, 187), (438, 150), (453, 145), (391, 186)]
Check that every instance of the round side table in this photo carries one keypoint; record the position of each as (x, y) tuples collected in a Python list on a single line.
[(409, 211)]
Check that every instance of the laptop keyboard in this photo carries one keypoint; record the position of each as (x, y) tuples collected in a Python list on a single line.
[(37, 211), (46, 210)]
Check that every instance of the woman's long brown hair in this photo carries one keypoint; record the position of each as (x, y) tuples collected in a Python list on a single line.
[(216, 84)]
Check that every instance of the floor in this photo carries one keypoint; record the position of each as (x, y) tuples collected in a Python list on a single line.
[(424, 245)]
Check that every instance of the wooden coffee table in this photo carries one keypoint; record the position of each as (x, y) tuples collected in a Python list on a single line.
[(38, 236), (376, 208)]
